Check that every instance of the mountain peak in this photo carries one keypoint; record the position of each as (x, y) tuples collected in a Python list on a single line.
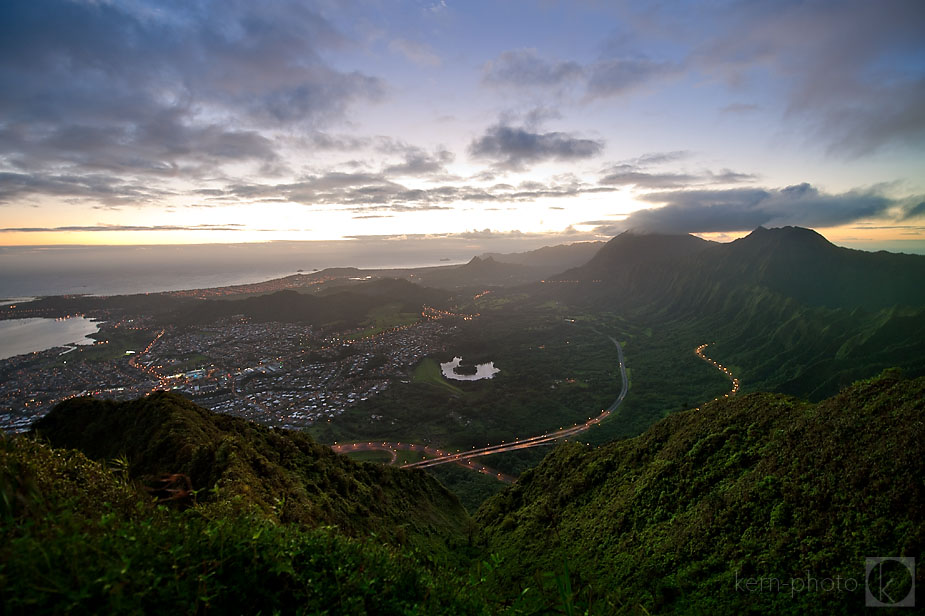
[(634, 248), (787, 237)]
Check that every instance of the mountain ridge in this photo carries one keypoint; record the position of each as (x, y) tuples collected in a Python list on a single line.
[(792, 261), (165, 434)]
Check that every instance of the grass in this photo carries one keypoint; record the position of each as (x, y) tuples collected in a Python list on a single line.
[(378, 456), (191, 361), (384, 318), (117, 345), (428, 372), (406, 457)]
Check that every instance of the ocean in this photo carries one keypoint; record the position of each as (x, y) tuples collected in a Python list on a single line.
[(35, 271)]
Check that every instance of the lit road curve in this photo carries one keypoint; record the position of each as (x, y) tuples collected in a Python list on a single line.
[(392, 449), (735, 382)]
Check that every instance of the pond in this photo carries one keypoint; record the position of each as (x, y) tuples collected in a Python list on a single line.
[(482, 371)]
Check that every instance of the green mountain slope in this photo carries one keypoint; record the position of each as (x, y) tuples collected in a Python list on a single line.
[(284, 474), (76, 538), (788, 310), (763, 486)]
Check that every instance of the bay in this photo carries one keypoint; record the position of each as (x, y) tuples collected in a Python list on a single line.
[(20, 336)]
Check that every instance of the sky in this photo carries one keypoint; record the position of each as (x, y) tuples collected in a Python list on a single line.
[(137, 122)]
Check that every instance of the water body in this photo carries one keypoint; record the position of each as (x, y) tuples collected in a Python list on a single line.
[(482, 371), (30, 271), (19, 336)]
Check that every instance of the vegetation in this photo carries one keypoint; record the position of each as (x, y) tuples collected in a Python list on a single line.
[(552, 373), (76, 538), (428, 372), (284, 474), (382, 318), (378, 304), (763, 486), (667, 506)]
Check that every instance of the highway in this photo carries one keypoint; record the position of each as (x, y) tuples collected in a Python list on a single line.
[(393, 448), (465, 458)]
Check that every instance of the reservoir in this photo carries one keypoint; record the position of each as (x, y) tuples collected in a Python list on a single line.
[(482, 371), (18, 336)]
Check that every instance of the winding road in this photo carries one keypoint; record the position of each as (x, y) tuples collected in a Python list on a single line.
[(735, 382)]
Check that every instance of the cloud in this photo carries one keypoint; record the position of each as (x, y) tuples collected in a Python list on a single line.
[(174, 91), (607, 77), (849, 70), (513, 148), (743, 209), (629, 175), (365, 192), (637, 172), (657, 158), (618, 76), (104, 189), (848, 74), (325, 141), (420, 54), (914, 211), (111, 228), (525, 68), (419, 163)]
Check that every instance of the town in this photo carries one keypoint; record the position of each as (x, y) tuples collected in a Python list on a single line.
[(280, 374)]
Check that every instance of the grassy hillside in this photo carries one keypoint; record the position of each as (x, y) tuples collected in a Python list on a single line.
[(763, 486), (284, 474), (76, 538)]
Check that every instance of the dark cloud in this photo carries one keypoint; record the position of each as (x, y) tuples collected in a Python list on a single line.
[(914, 211), (104, 189), (418, 162), (743, 209), (727, 176), (173, 89), (513, 148), (365, 192), (524, 68), (852, 69)]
